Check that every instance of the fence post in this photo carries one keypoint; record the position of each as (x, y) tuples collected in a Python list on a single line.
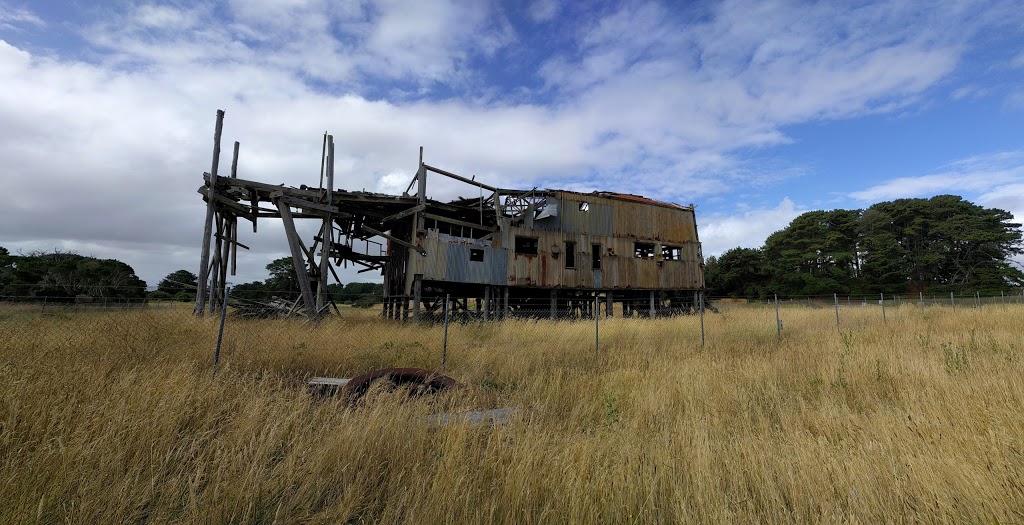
[(444, 350), (220, 332), (702, 318), (836, 298), (44, 306), (977, 299), (597, 326), (778, 323), (952, 301), (882, 295), (921, 300)]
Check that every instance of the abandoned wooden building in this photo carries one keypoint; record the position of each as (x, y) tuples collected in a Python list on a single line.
[(537, 253)]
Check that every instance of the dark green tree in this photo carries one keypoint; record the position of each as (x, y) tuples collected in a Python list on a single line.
[(179, 281), (282, 281), (816, 254), (739, 272)]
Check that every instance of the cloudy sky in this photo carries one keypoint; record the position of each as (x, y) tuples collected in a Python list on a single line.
[(753, 110)]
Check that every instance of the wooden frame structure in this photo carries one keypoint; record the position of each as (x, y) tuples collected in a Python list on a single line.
[(507, 252)]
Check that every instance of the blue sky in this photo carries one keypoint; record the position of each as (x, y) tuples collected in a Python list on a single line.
[(753, 110)]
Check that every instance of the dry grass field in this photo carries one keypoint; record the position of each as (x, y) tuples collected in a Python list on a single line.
[(113, 417)]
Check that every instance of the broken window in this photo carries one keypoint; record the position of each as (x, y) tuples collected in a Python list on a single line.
[(643, 250), (672, 253), (476, 255), (570, 255), (526, 245), (584, 206)]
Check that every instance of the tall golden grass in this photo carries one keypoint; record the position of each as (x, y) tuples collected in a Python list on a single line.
[(116, 418)]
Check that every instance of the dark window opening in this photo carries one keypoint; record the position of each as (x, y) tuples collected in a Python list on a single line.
[(595, 257), (643, 250), (476, 255), (584, 206), (570, 255), (526, 245), (672, 253)]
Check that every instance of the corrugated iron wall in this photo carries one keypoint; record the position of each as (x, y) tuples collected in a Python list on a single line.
[(614, 224)]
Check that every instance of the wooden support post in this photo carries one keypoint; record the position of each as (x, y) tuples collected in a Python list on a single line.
[(298, 260), (504, 306), (417, 296), (487, 303), (215, 267), (204, 257), (328, 229), (653, 312), (554, 304), (609, 305)]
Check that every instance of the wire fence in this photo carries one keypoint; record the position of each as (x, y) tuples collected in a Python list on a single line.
[(584, 326)]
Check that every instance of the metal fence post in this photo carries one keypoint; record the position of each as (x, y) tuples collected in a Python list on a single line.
[(444, 350), (597, 326), (835, 297), (220, 332), (882, 302), (778, 323)]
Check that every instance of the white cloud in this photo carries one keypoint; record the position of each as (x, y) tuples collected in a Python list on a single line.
[(543, 10), (972, 175), (748, 229), (1017, 61), (14, 18)]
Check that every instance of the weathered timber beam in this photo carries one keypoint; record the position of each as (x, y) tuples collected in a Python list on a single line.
[(262, 186), (303, 203), (298, 260), (233, 240), (459, 223), (404, 213), (235, 207), (459, 178), (394, 239)]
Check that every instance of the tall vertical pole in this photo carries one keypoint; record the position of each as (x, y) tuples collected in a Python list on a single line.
[(702, 318), (444, 351), (554, 303), (327, 232), (977, 299), (778, 323), (597, 325), (653, 312), (882, 302), (220, 331), (211, 192), (920, 299), (952, 301), (836, 298)]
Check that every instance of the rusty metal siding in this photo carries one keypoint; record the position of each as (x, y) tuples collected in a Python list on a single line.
[(653, 222), (615, 224), (596, 220), (492, 270)]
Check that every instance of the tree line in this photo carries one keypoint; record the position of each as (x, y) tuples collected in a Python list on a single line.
[(939, 245), (63, 275)]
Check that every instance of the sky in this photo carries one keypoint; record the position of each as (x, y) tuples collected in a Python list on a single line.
[(754, 111)]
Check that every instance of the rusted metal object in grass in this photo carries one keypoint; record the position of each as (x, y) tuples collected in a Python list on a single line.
[(417, 381)]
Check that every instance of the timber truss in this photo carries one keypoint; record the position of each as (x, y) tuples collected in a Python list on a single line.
[(372, 231)]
